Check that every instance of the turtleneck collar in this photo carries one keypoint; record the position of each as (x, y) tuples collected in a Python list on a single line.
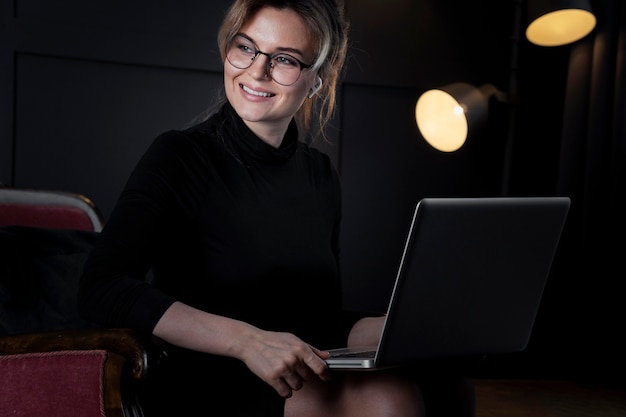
[(250, 144)]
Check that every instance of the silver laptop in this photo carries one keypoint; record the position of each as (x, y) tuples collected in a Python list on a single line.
[(470, 280)]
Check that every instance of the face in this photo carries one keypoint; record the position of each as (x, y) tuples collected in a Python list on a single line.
[(266, 106)]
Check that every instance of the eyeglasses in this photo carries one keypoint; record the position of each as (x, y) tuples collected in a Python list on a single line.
[(283, 68)]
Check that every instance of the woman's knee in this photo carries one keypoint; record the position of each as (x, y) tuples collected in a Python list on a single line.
[(316, 398), (383, 394)]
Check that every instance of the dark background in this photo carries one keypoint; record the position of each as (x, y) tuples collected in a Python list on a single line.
[(85, 86)]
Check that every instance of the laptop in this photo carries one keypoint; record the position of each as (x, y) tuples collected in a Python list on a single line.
[(470, 280)]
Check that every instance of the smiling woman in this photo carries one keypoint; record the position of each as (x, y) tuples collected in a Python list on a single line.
[(238, 220), (265, 103), (327, 34)]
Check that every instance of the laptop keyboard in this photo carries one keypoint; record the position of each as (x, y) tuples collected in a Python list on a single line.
[(370, 354)]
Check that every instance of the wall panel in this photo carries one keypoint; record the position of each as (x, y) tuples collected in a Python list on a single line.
[(82, 125)]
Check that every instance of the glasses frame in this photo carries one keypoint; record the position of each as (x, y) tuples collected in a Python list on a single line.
[(269, 56)]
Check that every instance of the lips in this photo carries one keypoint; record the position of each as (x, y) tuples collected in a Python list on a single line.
[(256, 93)]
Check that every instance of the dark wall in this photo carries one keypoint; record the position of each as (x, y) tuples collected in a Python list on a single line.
[(86, 86)]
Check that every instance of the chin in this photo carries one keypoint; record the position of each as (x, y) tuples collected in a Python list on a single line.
[(250, 115)]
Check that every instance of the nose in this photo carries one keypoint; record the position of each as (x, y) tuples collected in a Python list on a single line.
[(262, 70)]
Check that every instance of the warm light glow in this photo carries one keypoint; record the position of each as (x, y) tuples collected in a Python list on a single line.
[(441, 120), (561, 27)]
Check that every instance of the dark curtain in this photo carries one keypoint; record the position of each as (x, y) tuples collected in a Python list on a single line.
[(592, 171)]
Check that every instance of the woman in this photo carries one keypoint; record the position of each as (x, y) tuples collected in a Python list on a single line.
[(238, 222)]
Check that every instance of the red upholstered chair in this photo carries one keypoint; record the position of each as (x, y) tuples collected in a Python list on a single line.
[(52, 362), (72, 373), (48, 208)]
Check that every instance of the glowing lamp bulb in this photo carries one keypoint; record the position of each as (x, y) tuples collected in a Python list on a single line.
[(441, 120)]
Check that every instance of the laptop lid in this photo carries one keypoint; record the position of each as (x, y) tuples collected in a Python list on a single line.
[(470, 279)]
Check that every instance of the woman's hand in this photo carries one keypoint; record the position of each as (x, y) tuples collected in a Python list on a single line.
[(284, 361), (281, 359)]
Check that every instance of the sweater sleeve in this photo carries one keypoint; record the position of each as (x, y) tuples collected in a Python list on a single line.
[(115, 289)]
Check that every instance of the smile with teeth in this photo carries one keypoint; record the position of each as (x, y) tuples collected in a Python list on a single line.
[(256, 93)]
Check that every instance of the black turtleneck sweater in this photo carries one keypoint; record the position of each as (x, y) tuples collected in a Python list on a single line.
[(229, 225)]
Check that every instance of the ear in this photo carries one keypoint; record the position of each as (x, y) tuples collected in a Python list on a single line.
[(316, 87)]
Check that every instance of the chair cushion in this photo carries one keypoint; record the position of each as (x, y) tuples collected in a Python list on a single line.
[(52, 384)]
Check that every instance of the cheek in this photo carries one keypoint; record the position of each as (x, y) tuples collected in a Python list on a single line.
[(230, 85), (303, 87), (229, 74)]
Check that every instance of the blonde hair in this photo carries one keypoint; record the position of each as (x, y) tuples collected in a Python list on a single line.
[(328, 30)]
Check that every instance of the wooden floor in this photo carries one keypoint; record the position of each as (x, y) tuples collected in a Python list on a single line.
[(546, 398)]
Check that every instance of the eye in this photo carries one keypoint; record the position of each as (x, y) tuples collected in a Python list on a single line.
[(246, 49), (244, 46), (286, 60)]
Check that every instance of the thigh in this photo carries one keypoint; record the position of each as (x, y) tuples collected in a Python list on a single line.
[(317, 398), (362, 394)]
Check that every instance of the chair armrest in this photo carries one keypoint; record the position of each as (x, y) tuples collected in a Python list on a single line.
[(128, 358), (123, 342)]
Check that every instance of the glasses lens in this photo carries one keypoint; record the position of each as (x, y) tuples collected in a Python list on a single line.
[(241, 52), (283, 68)]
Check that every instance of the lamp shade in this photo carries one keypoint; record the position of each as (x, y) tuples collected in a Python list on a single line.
[(446, 116), (559, 22)]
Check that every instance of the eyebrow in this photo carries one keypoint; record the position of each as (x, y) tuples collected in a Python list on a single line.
[(279, 49)]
